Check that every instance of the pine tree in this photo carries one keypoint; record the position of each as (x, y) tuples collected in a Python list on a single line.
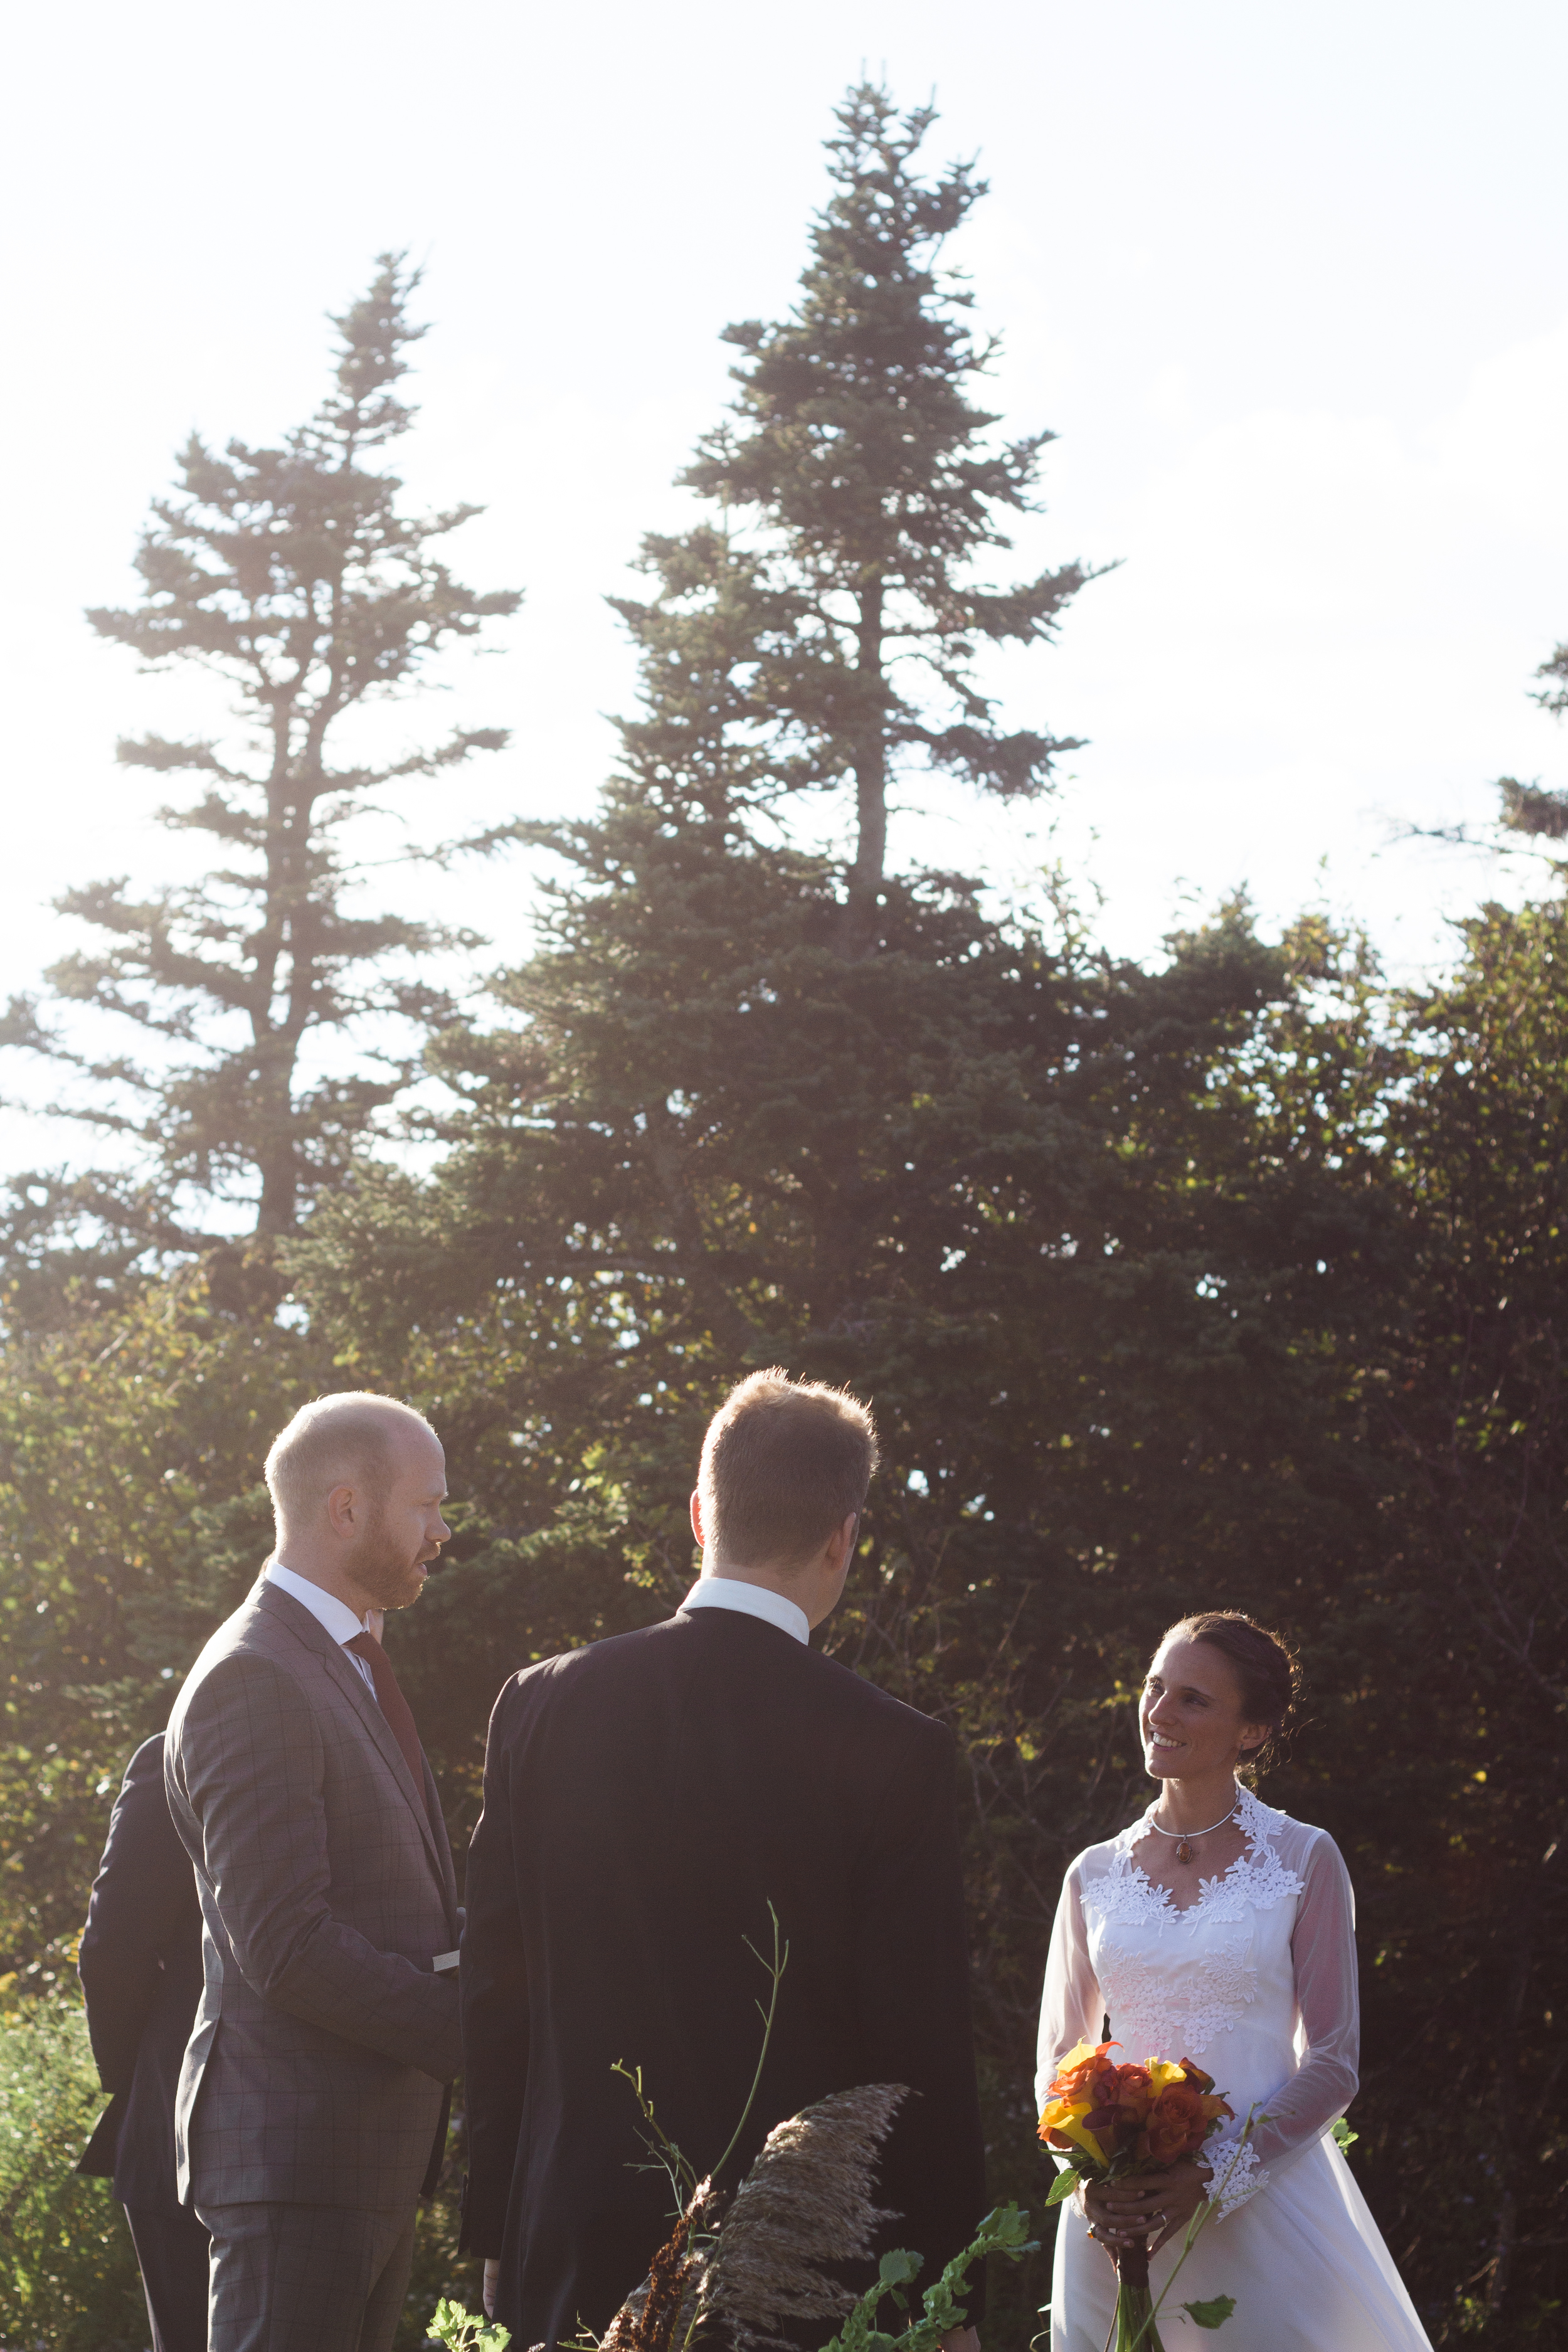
[(865, 486), (291, 574)]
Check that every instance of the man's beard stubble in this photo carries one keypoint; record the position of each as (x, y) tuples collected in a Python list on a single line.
[(378, 1568)]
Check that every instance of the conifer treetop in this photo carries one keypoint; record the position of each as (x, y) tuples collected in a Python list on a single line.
[(291, 573), (865, 485)]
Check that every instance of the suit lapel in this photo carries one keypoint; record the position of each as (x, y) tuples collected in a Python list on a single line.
[(350, 1682)]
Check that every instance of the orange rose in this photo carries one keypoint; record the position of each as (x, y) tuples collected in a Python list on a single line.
[(1179, 2122), (1203, 2084)]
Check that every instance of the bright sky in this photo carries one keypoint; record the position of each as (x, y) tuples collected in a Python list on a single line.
[(1289, 282)]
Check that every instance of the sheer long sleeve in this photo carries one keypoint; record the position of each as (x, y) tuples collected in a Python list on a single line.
[(1072, 2007), (1328, 2037)]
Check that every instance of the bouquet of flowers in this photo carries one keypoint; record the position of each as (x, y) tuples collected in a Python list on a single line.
[(1114, 2121)]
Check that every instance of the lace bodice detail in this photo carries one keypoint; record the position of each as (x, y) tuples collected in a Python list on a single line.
[(1256, 1980), (1257, 1880), (1174, 2001), (1212, 1997)]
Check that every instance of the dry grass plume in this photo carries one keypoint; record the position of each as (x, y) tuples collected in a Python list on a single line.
[(806, 2203)]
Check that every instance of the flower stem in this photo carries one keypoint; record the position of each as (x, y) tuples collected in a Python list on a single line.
[(1195, 2228), (775, 1969), (1134, 2321)]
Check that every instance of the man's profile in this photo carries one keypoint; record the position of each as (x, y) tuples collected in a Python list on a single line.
[(312, 2100)]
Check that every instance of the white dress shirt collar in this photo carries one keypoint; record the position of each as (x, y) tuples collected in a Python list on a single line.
[(328, 1611), (749, 1601)]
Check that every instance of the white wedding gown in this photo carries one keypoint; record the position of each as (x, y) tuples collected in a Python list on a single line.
[(1257, 1982)]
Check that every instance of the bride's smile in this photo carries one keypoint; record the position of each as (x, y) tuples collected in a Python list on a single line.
[(1191, 1716)]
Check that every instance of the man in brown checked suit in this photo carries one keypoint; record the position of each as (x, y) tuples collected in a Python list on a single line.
[(312, 2102)]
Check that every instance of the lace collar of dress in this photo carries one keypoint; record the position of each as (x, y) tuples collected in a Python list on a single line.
[(1255, 1881)]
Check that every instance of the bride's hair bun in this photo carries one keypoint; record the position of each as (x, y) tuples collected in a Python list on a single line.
[(1265, 1670)]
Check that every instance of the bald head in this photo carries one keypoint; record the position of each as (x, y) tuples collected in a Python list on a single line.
[(357, 1482), (346, 1439)]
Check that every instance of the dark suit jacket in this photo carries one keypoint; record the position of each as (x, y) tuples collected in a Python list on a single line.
[(315, 2073), (644, 1801), (141, 1968)]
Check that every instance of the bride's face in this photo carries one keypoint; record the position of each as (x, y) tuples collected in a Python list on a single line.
[(1190, 1713)]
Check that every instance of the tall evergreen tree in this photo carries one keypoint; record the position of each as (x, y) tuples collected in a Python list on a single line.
[(858, 488), (291, 576)]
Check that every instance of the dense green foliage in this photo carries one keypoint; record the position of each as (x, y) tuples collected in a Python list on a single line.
[(1236, 1280), (68, 2279)]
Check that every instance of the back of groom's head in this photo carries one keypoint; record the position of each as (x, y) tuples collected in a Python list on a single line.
[(784, 1464)]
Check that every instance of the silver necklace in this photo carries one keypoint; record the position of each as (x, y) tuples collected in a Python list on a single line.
[(1185, 1837)]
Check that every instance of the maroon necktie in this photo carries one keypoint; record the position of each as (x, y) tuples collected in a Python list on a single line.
[(392, 1703)]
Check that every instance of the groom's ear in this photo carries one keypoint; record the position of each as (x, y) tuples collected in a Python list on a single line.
[(848, 1534), (345, 1512), (697, 1518)]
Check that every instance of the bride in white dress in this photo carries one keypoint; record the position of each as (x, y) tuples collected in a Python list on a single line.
[(1217, 1929)]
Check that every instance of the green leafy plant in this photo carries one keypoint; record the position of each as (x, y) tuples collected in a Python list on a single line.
[(1213, 2314), (1004, 2231), (457, 2328)]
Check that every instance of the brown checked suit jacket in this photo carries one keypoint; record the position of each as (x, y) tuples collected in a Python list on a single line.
[(316, 2067)]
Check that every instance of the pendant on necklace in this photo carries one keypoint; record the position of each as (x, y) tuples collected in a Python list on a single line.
[(1183, 1852)]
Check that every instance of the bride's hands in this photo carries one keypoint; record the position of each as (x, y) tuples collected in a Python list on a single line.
[(1157, 2206)]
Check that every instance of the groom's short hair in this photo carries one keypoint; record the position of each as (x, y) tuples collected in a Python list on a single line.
[(784, 1463)]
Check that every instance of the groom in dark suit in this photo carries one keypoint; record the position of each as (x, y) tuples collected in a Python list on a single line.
[(313, 2103), (645, 1801)]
